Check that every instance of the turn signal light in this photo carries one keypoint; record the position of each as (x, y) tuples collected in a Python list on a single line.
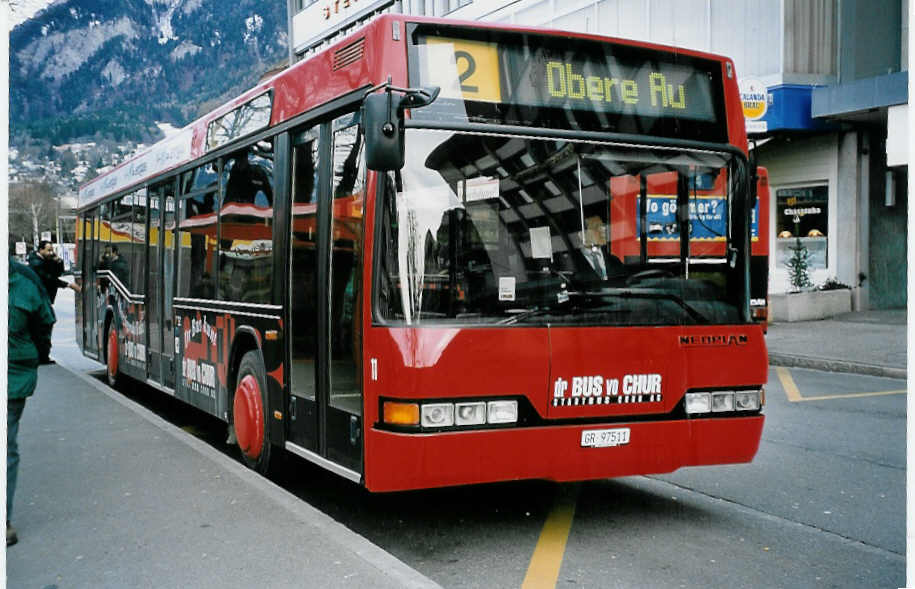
[(401, 413)]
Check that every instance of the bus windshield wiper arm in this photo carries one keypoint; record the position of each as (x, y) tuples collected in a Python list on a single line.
[(524, 314), (645, 293)]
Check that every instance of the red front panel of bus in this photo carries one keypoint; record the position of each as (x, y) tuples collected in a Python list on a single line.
[(566, 374), (402, 461)]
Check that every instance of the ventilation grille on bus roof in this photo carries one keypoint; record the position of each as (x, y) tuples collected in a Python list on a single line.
[(349, 54)]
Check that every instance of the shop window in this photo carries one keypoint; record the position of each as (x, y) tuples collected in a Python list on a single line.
[(801, 216)]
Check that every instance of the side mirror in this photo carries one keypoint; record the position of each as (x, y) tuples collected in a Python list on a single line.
[(384, 135), (419, 97), (383, 122)]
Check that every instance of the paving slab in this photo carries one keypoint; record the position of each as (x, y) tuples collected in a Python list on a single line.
[(111, 495), (865, 342)]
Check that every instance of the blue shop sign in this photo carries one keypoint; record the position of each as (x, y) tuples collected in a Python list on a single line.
[(789, 109), (708, 218)]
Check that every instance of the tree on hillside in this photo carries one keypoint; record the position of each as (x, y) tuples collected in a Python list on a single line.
[(33, 209)]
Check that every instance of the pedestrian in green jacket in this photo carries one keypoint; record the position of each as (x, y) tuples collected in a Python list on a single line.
[(30, 321)]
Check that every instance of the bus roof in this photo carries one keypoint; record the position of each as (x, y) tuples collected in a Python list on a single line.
[(351, 64)]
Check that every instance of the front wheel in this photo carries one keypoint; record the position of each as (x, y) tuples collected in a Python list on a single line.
[(249, 413), (112, 356)]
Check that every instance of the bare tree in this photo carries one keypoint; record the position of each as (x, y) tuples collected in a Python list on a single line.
[(33, 209)]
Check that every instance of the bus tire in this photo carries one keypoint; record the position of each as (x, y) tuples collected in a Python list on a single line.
[(112, 369), (249, 413)]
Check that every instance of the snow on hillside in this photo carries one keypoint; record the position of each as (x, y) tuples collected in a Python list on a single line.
[(23, 10)]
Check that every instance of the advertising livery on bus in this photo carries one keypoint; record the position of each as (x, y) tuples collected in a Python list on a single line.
[(441, 253)]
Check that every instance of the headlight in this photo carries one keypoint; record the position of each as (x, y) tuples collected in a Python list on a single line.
[(747, 400), (502, 411), (698, 403), (437, 415), (470, 413), (440, 415), (722, 401)]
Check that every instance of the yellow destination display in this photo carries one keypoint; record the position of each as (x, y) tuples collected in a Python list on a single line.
[(547, 81), (477, 66)]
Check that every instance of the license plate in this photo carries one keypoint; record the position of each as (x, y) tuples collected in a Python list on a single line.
[(604, 438)]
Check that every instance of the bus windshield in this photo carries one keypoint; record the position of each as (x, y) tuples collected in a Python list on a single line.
[(507, 230)]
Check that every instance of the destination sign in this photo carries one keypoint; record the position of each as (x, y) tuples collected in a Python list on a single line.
[(611, 80)]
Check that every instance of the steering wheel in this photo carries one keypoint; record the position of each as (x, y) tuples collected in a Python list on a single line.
[(645, 274)]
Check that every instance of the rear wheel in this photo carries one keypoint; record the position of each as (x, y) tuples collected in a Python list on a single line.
[(249, 413), (112, 355)]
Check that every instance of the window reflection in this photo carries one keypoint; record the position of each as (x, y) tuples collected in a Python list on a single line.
[(509, 230), (246, 226)]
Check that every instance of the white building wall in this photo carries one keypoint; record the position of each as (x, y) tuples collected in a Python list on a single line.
[(897, 136), (803, 162), (747, 31)]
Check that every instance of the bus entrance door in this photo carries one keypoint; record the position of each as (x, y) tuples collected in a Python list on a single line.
[(89, 293), (325, 290), (169, 244), (160, 261), (303, 409)]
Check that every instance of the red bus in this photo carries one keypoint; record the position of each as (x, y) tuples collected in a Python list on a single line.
[(428, 256), (759, 260)]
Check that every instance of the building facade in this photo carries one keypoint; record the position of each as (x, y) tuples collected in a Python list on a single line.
[(825, 84)]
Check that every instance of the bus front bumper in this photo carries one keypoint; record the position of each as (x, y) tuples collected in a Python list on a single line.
[(399, 461)]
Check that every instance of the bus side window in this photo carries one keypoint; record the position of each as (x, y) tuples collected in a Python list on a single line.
[(249, 176), (304, 286), (246, 246), (121, 252), (349, 174), (346, 269), (197, 235)]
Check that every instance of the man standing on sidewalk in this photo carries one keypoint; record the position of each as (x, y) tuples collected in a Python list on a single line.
[(30, 321), (49, 268)]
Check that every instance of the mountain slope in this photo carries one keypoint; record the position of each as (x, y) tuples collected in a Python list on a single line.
[(113, 68)]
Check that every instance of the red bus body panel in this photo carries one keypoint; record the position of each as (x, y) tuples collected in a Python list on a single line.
[(402, 461), (430, 363)]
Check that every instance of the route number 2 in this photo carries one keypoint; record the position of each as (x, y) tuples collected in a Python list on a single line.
[(477, 65), (467, 72)]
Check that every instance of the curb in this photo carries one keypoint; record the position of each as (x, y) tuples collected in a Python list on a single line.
[(797, 361), (386, 563)]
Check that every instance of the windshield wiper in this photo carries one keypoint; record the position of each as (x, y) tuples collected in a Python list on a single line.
[(641, 293), (526, 313)]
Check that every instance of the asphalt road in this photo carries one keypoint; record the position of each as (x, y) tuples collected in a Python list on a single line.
[(822, 505)]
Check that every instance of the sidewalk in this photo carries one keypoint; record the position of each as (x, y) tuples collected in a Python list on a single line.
[(863, 342), (111, 495)]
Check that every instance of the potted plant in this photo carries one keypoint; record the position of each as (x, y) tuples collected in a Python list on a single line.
[(805, 302)]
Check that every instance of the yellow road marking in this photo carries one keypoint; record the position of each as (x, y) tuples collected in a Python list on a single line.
[(852, 395), (543, 571), (791, 391), (794, 395)]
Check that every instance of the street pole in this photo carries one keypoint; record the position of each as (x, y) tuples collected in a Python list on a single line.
[(290, 11)]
